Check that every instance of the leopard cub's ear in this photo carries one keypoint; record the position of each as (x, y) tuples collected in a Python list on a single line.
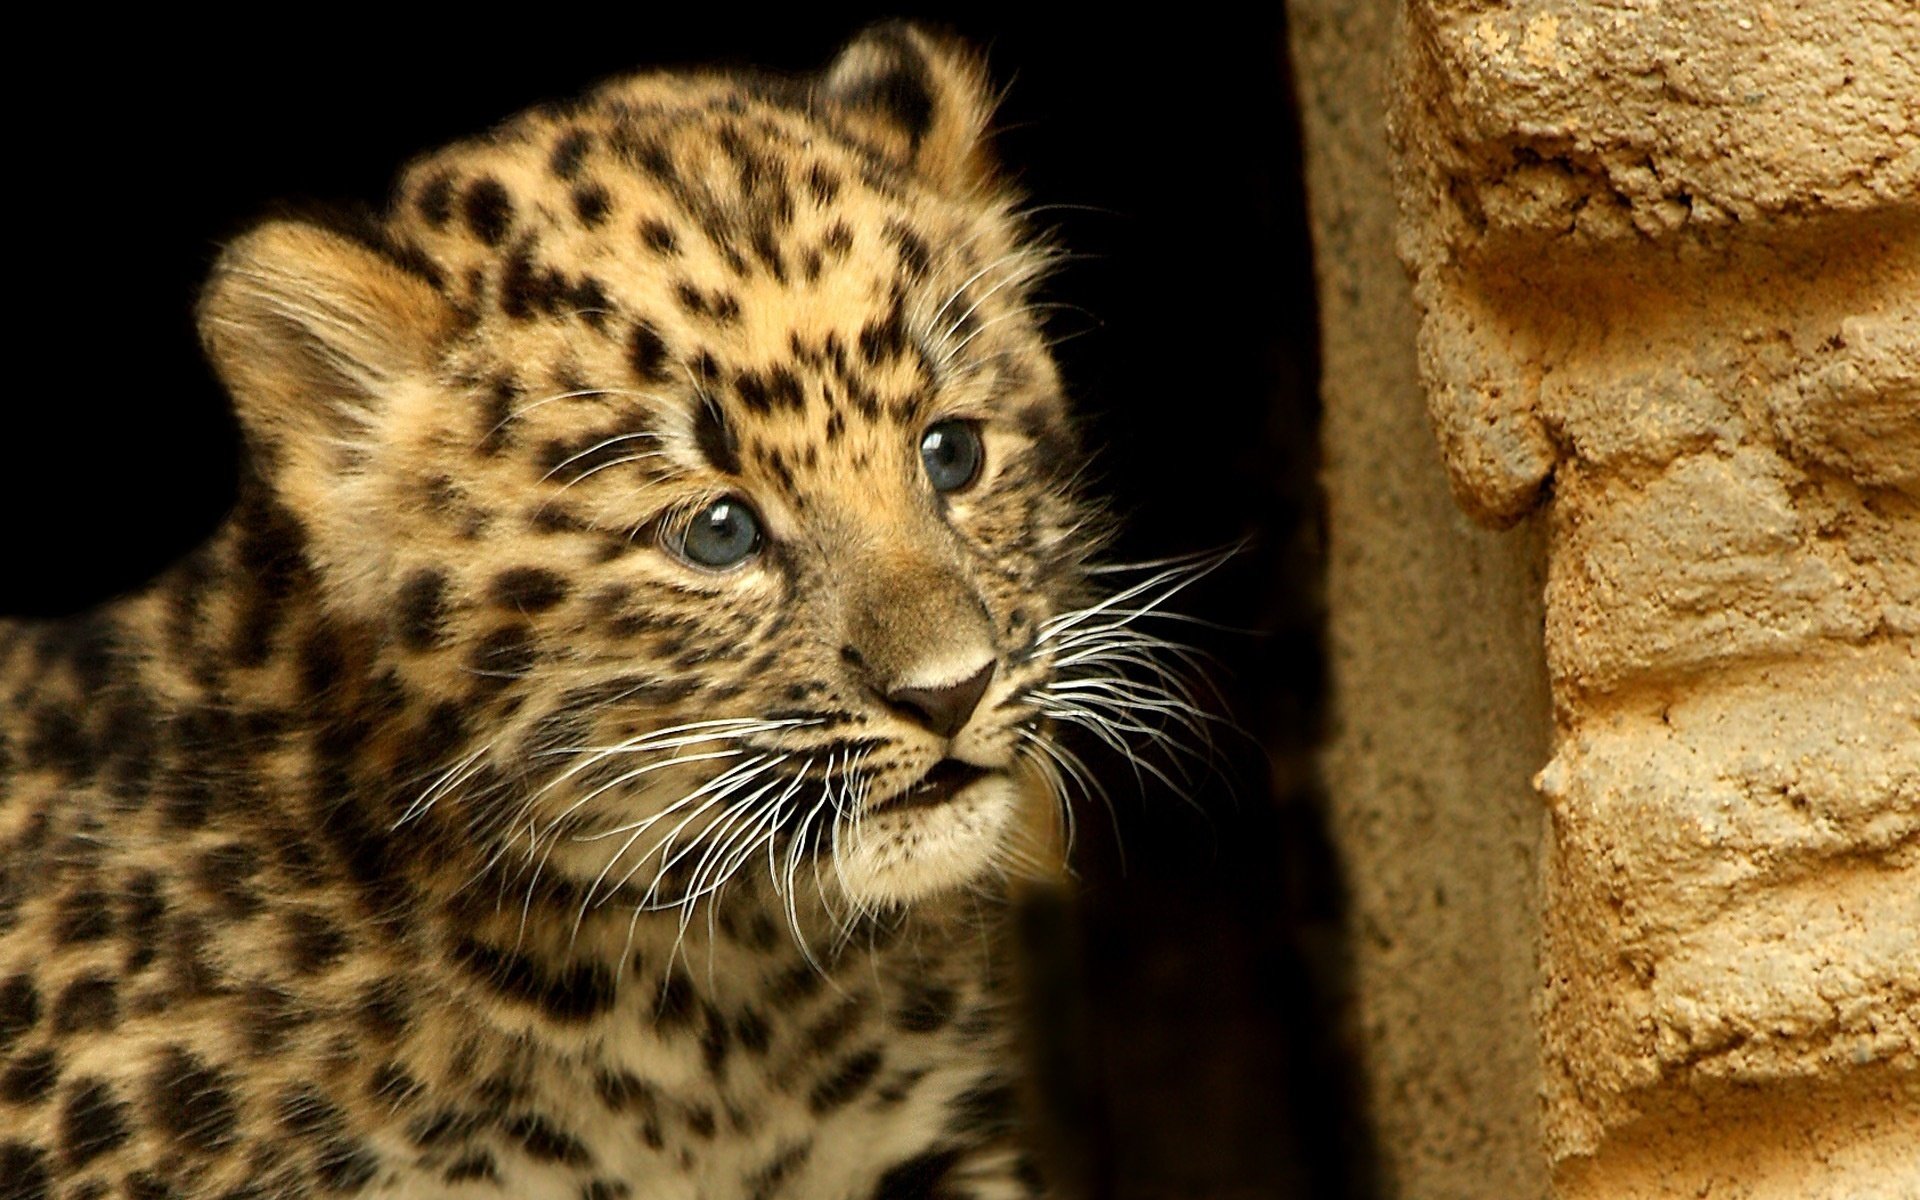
[(321, 339), (921, 97), (312, 332)]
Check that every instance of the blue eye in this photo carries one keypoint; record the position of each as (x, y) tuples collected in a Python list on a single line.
[(951, 452), (721, 535)]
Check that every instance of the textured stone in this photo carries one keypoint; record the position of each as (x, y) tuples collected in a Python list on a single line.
[(1437, 722), (1666, 260)]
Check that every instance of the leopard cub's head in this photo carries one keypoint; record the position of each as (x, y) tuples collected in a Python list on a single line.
[(694, 451)]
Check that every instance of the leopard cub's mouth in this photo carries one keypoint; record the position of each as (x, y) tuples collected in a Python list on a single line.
[(942, 782)]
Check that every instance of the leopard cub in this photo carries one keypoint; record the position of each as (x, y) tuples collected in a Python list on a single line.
[(590, 760)]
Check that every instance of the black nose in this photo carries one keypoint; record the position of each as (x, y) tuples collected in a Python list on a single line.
[(944, 710)]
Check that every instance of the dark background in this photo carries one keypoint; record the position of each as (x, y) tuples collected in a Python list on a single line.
[(1189, 998)]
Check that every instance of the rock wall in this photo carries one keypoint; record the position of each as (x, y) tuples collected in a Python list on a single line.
[(1666, 260), (1439, 706)]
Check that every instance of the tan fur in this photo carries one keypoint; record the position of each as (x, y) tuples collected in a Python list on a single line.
[(366, 851)]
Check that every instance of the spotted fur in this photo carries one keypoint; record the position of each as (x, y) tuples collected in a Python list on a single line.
[(438, 829)]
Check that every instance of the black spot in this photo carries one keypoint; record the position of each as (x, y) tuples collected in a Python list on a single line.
[(321, 665), (29, 1078), (673, 1009), (868, 406), (691, 298), (445, 1125), (343, 1166), (226, 873), (777, 464), (753, 392), (304, 1112), (766, 1182), (90, 1002), (716, 1040), (503, 655), (752, 1031), (55, 741), (435, 200), (500, 1090), (885, 339), (901, 93), (605, 1189), (191, 1101), (132, 742), (407, 254), (591, 302), (647, 353), (826, 1034), (268, 1014), (391, 1084), (527, 589), (658, 237), (914, 255), (19, 1009), (527, 287), (649, 156), (896, 1090), (497, 412), (823, 183), (700, 1121), (144, 1185), (545, 1142), (477, 1164), (984, 1110), (577, 993), (23, 1169), (314, 941), (919, 1178), (143, 909), (382, 1009), (85, 916), (1054, 448), (569, 152), (715, 437), (847, 1081), (621, 1090), (925, 1008), (423, 609), (760, 932), (92, 1122), (797, 983), (188, 970), (767, 250), (590, 202), (784, 391), (187, 803), (489, 211), (433, 743), (444, 497)]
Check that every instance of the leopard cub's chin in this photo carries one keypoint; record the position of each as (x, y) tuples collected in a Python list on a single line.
[(896, 856)]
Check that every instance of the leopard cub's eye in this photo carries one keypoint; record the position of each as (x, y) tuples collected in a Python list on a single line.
[(724, 534), (951, 452)]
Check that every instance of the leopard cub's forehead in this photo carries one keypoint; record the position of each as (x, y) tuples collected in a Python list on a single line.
[(699, 235)]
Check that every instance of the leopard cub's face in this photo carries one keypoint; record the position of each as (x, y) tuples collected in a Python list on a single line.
[(693, 454)]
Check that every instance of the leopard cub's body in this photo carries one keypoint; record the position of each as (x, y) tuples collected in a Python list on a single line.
[(586, 763)]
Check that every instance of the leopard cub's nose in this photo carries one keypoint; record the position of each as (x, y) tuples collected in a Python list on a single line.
[(943, 708)]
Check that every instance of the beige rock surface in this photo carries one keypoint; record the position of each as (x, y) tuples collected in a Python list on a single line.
[(1666, 259), (1438, 722)]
